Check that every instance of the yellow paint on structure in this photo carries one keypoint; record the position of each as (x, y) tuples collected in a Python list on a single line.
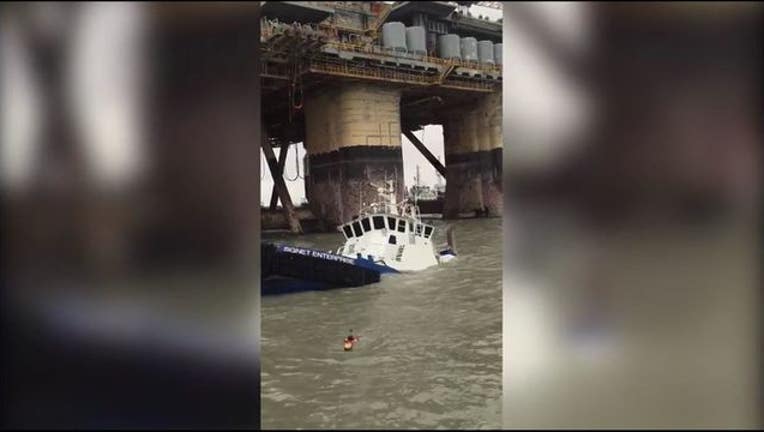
[(475, 128), (352, 115)]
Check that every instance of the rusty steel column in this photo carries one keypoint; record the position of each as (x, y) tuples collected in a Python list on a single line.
[(473, 148), (353, 141), (491, 154)]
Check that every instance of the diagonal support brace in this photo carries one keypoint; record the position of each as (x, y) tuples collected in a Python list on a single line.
[(426, 153)]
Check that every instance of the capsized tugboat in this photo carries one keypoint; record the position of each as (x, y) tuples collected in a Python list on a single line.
[(393, 235), (386, 237)]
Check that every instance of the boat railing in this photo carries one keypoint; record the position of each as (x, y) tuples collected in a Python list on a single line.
[(402, 209), (376, 208)]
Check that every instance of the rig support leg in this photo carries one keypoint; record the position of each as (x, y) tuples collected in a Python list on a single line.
[(282, 162), (280, 187)]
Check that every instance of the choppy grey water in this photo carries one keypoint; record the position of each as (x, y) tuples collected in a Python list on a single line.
[(430, 348)]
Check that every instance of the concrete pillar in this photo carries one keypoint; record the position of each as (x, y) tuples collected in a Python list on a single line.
[(353, 139), (491, 154), (463, 184), (473, 148)]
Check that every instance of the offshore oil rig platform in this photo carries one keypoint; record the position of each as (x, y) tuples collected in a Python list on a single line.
[(347, 79)]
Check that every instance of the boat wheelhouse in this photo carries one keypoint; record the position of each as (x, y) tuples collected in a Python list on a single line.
[(390, 234), (400, 242)]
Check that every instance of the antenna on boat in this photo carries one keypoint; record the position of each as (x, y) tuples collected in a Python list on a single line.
[(416, 186)]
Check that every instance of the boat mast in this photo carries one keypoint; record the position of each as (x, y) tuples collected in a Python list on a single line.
[(416, 186)]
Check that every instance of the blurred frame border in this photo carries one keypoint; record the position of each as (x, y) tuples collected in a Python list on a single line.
[(131, 232), (633, 182)]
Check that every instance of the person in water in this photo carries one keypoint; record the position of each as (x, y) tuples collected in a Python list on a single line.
[(350, 341)]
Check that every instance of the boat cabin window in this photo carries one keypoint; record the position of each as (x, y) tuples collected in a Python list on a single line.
[(379, 222), (418, 229), (401, 225), (391, 222), (427, 232), (357, 229), (348, 231), (366, 224), (391, 240)]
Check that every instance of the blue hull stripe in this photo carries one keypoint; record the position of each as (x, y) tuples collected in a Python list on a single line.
[(328, 256)]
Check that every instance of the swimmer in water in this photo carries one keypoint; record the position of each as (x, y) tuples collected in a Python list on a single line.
[(350, 341)]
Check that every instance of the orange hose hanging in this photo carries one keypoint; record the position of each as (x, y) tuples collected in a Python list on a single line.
[(291, 109), (296, 89), (295, 104)]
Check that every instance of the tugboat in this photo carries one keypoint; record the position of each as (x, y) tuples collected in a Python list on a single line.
[(392, 235), (386, 237)]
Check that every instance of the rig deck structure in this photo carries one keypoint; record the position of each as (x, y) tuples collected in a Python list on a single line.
[(330, 80)]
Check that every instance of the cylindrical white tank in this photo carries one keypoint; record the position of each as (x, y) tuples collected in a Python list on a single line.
[(469, 48), (415, 40), (394, 36), (448, 46), (497, 51), (485, 51)]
